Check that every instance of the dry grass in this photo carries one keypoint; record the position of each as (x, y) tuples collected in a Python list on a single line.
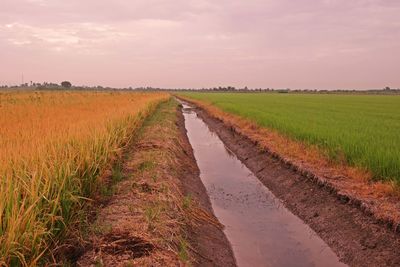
[(53, 146)]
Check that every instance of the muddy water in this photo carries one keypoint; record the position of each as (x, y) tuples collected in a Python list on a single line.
[(261, 230)]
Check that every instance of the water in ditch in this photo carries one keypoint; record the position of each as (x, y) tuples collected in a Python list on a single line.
[(261, 230)]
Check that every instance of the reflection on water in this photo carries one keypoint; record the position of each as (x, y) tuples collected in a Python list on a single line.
[(261, 230)]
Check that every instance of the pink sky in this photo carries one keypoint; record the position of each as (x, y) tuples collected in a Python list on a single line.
[(322, 44)]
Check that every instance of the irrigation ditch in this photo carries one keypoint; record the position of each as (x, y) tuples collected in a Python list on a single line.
[(261, 230), (356, 238)]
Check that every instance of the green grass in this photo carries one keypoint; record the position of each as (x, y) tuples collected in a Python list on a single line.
[(365, 128)]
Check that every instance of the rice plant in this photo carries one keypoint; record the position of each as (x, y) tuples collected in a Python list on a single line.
[(53, 148), (364, 130)]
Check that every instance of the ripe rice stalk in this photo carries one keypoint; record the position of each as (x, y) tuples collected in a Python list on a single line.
[(53, 148)]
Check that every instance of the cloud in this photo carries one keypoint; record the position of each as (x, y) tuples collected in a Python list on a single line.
[(78, 37), (178, 43)]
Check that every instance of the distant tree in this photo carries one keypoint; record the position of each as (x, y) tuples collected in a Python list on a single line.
[(66, 84), (387, 88)]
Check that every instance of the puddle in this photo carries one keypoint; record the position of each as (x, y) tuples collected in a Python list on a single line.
[(261, 230)]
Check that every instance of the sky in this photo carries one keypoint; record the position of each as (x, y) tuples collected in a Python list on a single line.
[(307, 44)]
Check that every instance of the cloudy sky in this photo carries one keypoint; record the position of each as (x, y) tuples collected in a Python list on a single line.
[(322, 44)]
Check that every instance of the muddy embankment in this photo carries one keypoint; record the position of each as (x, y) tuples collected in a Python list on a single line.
[(357, 238), (159, 213)]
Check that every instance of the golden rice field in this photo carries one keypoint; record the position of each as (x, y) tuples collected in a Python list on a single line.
[(53, 146)]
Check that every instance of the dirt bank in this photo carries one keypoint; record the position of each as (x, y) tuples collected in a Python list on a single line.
[(159, 214), (357, 238)]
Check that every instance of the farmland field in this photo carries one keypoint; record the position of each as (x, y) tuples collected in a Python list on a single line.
[(53, 146), (362, 128), (87, 176)]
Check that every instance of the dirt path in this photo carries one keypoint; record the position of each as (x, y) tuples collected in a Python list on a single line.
[(356, 238), (160, 214)]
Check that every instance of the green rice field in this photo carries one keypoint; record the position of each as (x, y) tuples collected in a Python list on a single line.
[(364, 128)]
